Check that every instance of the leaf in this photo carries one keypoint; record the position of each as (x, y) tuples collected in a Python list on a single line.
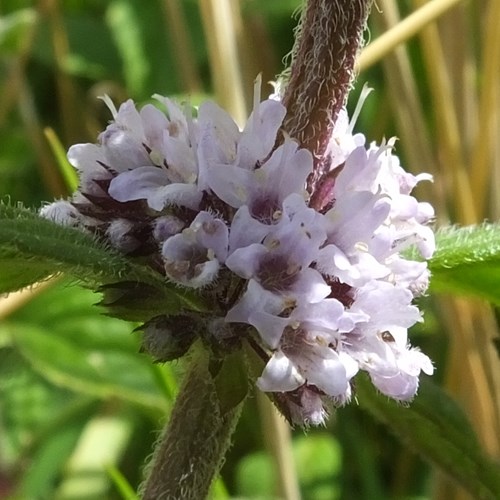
[(93, 54), (51, 453), (30, 244), (481, 280), (134, 301), (126, 31), (19, 179), (28, 404), (435, 426), (14, 28), (467, 260), (149, 60), (319, 479), (66, 342), (67, 171), (16, 273), (231, 382), (255, 476), (121, 484), (317, 444), (51, 248), (104, 441)]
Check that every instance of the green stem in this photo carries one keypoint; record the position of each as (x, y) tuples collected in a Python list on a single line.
[(192, 448), (278, 436)]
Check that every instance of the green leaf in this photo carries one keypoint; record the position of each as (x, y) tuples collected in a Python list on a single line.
[(104, 441), (52, 248), (148, 60), (255, 476), (134, 301), (467, 260), (435, 426), (28, 404), (67, 171), (14, 29), (121, 484), (319, 479), (231, 382), (17, 273), (66, 341), (125, 27), (52, 452), (19, 179), (32, 248)]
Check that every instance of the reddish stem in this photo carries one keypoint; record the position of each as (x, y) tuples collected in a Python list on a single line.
[(329, 37)]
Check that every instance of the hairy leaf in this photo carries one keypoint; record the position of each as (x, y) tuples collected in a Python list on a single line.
[(435, 427), (466, 261), (32, 248)]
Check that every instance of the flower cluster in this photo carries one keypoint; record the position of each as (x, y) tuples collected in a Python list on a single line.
[(319, 290)]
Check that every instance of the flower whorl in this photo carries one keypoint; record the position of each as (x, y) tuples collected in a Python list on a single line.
[(319, 291)]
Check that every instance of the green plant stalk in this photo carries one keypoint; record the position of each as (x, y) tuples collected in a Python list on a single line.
[(219, 25), (179, 34), (68, 173), (191, 450), (278, 436)]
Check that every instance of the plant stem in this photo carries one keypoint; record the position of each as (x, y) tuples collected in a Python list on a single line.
[(195, 440), (177, 27), (278, 436), (218, 17), (403, 31), (328, 39)]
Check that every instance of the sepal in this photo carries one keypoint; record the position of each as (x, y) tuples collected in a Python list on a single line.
[(167, 338), (137, 301)]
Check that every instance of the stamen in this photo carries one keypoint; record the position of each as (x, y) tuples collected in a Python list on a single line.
[(110, 104), (365, 92)]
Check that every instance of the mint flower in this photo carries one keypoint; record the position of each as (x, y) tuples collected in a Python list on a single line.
[(305, 265)]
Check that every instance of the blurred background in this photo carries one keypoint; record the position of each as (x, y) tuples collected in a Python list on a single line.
[(79, 407)]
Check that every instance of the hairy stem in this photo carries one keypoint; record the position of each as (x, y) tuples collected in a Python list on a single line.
[(195, 440), (328, 39)]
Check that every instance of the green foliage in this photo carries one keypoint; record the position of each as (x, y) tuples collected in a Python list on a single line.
[(52, 248), (53, 450), (63, 347), (71, 377), (122, 485), (65, 342), (318, 459), (18, 179), (467, 261), (14, 28), (36, 247), (436, 427), (319, 464), (61, 367)]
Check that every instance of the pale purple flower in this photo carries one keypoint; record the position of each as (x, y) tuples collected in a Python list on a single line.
[(320, 290), (222, 143), (153, 185), (193, 258)]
